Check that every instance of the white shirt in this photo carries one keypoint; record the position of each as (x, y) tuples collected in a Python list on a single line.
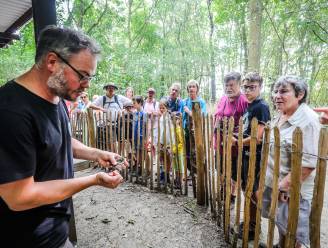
[(305, 118)]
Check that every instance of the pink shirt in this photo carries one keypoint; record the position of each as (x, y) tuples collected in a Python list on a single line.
[(236, 108)]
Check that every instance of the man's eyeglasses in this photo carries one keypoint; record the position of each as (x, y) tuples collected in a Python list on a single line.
[(249, 87), (82, 78)]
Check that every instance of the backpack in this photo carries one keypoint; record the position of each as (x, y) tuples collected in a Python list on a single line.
[(115, 101)]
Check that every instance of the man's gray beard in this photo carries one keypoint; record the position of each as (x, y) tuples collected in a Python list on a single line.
[(58, 85)]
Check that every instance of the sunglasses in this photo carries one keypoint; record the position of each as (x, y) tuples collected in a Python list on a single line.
[(82, 78)]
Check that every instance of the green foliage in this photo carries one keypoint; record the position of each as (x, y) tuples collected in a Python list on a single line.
[(159, 42)]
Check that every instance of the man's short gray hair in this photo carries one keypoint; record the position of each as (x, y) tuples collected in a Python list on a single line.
[(176, 85), (236, 76), (298, 84), (65, 42)]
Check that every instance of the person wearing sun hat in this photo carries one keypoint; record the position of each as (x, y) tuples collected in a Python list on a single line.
[(110, 101)]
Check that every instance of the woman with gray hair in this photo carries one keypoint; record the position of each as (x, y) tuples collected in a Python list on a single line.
[(289, 96)]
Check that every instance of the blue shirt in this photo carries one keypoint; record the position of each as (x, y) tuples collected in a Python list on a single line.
[(174, 105), (188, 102), (137, 133)]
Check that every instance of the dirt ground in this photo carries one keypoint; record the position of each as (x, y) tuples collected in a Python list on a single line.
[(132, 216)]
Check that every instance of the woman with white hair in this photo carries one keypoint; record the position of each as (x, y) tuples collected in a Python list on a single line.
[(289, 96)]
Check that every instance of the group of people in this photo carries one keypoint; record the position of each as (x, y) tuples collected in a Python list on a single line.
[(37, 150), (242, 99)]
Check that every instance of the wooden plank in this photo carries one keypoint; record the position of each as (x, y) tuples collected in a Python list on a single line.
[(264, 163), (228, 181), (294, 198), (213, 196), (250, 180), (91, 128), (197, 117), (319, 186), (238, 183), (218, 175)]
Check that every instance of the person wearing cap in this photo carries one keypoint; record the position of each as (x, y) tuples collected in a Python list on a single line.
[(110, 101), (151, 106)]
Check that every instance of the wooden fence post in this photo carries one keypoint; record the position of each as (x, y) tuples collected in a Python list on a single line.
[(158, 150), (228, 180), (197, 117), (294, 198), (250, 180), (218, 173), (318, 192), (212, 167), (264, 163), (275, 191), (91, 128), (238, 184), (151, 151)]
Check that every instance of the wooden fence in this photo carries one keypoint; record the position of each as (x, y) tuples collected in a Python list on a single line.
[(153, 152)]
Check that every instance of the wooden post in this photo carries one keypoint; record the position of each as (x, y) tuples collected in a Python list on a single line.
[(184, 162), (294, 198), (158, 152), (173, 157), (118, 128), (197, 117), (318, 192), (204, 129), (151, 152), (138, 147), (209, 162), (133, 147), (250, 180), (275, 190), (224, 155), (164, 151), (111, 132), (212, 167), (143, 145), (238, 183), (218, 174), (91, 128), (264, 162), (228, 180)]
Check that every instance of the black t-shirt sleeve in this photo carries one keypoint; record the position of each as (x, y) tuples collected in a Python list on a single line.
[(17, 148), (262, 113)]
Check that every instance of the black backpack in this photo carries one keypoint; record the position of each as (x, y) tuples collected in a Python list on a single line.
[(115, 101)]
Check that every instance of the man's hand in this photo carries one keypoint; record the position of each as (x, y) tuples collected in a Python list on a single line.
[(110, 159), (109, 180)]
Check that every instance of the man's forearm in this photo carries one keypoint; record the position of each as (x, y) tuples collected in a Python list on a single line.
[(43, 193), (82, 151)]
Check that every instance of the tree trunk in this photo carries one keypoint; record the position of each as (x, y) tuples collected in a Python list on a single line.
[(212, 67), (254, 52)]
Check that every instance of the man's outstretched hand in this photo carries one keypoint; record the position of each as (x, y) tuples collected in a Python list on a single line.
[(109, 180)]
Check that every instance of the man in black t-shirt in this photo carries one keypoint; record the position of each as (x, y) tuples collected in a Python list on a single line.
[(259, 109), (36, 147)]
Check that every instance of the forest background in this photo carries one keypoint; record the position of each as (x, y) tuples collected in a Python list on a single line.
[(157, 42)]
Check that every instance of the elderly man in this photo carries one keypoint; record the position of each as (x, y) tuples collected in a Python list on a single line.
[(174, 102), (36, 147)]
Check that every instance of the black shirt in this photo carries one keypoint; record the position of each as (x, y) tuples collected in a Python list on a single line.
[(35, 141), (260, 110)]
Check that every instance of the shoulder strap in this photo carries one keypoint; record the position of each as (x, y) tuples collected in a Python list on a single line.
[(104, 101), (116, 100), (154, 104)]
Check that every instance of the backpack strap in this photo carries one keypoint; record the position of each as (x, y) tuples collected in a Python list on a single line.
[(115, 100)]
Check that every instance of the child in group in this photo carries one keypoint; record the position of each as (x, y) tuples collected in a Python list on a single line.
[(178, 151), (166, 140), (127, 124), (138, 125)]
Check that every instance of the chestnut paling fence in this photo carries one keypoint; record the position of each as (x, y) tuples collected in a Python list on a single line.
[(156, 152)]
